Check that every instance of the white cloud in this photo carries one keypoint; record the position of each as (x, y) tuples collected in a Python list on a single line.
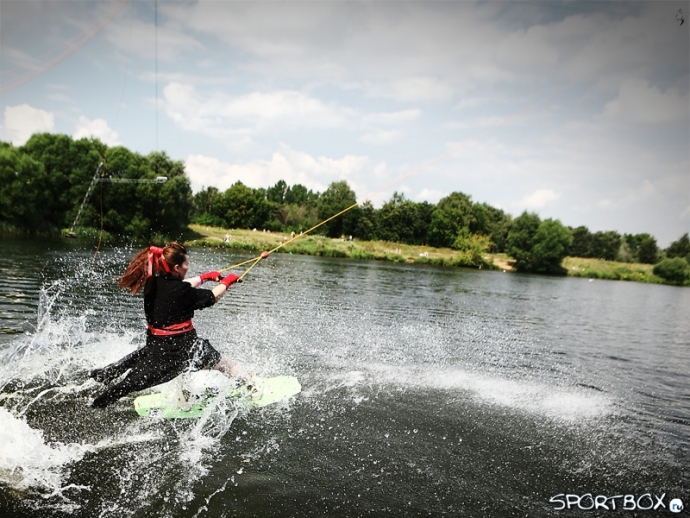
[(233, 117), (98, 128), (538, 199), (22, 121), (60, 97), (475, 123), (286, 164), (473, 102), (219, 114), (639, 102), (410, 89), (532, 48), (410, 51), (393, 118), (422, 51), (642, 193), (381, 137), (430, 195)]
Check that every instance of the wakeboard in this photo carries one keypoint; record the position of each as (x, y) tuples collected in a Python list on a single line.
[(176, 404)]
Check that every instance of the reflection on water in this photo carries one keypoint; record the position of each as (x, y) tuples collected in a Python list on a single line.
[(425, 391)]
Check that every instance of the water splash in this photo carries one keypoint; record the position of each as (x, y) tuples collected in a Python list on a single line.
[(55, 447), (28, 461), (567, 404)]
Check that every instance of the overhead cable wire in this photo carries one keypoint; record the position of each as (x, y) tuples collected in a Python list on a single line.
[(55, 56)]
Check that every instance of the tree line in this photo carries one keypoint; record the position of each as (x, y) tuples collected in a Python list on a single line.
[(43, 183)]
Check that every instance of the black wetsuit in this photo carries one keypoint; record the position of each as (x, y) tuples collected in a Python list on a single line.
[(167, 301)]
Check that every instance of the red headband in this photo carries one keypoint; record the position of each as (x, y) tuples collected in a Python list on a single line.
[(156, 256)]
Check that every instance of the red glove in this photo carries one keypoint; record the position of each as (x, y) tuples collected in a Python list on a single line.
[(209, 276), (229, 279)]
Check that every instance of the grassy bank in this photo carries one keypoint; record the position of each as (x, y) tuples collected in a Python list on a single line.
[(385, 251), (255, 242), (611, 270), (327, 247)]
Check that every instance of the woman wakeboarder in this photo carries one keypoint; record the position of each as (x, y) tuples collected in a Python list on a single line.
[(172, 345)]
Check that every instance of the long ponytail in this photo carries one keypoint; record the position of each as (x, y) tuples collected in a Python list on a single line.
[(151, 259)]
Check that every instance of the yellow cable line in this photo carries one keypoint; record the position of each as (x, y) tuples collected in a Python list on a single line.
[(256, 261), (405, 177)]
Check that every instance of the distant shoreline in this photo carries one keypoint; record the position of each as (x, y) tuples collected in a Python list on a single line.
[(203, 236), (316, 245)]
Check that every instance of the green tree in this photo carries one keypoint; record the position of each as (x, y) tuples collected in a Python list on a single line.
[(401, 220), (638, 248), (582, 242), (605, 245), (203, 201), (299, 195), (24, 193), (675, 270), (203, 204), (520, 240), (452, 213), (121, 204), (335, 199), (551, 244), (276, 194), (630, 245), (626, 254), (538, 246), (243, 207), (69, 166), (292, 208), (299, 217), (166, 206), (366, 224), (425, 211), (472, 246), (492, 222), (66, 172), (142, 210), (680, 248), (647, 251)]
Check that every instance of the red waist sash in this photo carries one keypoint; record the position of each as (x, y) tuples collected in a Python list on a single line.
[(172, 329)]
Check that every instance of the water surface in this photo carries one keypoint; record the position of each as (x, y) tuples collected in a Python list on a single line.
[(427, 391)]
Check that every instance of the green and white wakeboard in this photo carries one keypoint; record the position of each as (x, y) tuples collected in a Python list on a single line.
[(175, 404)]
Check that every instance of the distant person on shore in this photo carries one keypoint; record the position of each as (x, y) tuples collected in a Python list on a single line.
[(172, 345)]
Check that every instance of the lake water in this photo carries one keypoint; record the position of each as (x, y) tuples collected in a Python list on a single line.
[(427, 391)]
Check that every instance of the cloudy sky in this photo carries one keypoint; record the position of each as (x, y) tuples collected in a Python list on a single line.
[(574, 110)]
